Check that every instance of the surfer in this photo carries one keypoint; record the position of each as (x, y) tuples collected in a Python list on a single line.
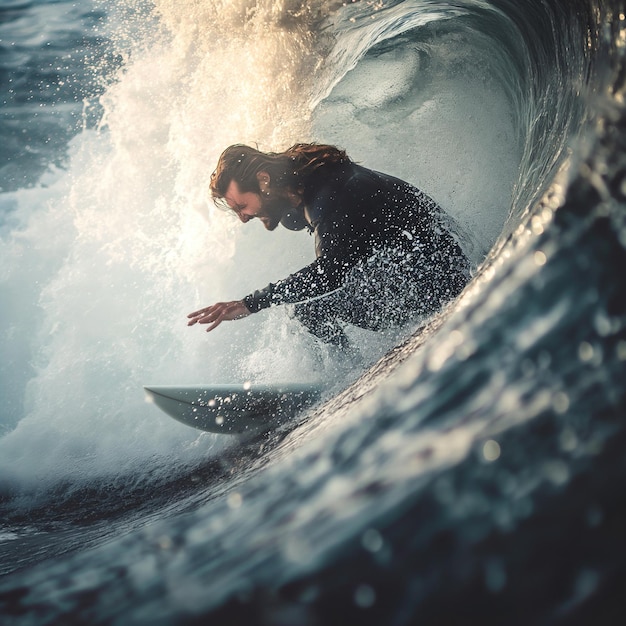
[(385, 251)]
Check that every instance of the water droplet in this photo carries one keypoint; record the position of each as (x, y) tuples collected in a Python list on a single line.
[(540, 258), (603, 325), (491, 450), (219, 420), (536, 225), (456, 337), (165, 543), (372, 540), (234, 500), (560, 402), (364, 596), (556, 472), (585, 351)]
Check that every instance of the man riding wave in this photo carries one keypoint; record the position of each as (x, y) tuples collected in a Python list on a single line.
[(384, 249)]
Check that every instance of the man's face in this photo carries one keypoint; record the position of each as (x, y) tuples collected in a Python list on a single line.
[(269, 208)]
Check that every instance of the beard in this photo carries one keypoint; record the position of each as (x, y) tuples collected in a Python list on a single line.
[(273, 207)]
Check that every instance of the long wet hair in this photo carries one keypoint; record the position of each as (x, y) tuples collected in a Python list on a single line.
[(287, 170)]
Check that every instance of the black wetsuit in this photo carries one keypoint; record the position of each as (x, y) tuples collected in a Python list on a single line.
[(358, 215)]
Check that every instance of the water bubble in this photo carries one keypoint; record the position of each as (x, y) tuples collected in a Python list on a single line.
[(234, 500), (536, 225), (364, 596), (560, 402), (219, 420), (603, 325), (165, 543), (540, 258), (456, 337), (556, 472), (491, 450), (372, 540), (585, 351)]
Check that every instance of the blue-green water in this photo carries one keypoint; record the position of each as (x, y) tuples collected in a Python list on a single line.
[(473, 474)]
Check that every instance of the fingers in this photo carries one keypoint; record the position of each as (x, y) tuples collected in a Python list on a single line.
[(215, 314), (207, 315), (196, 313), (196, 316), (214, 320)]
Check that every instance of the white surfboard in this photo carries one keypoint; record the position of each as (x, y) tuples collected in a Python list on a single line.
[(233, 409)]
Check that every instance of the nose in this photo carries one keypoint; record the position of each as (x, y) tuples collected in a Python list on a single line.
[(244, 218)]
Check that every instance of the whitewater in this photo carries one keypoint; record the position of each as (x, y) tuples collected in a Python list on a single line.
[(467, 470)]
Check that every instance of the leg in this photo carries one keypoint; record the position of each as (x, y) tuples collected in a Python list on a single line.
[(320, 317)]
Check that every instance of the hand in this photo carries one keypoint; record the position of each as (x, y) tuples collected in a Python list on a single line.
[(215, 314)]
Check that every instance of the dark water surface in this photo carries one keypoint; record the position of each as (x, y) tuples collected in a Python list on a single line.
[(473, 474)]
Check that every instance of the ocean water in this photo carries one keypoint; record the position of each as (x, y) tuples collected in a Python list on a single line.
[(469, 470)]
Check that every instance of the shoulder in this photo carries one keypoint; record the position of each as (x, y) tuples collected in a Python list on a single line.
[(295, 219), (336, 183)]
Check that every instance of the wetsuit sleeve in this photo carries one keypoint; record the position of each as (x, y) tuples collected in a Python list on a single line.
[(323, 275)]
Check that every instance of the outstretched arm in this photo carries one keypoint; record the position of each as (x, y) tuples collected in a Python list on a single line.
[(215, 314)]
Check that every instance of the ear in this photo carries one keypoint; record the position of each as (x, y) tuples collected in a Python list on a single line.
[(264, 181)]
